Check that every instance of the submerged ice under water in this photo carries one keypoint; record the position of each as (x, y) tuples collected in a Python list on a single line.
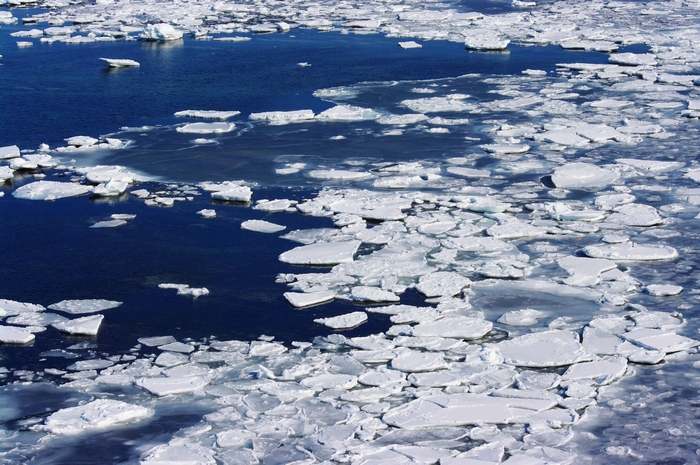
[(449, 257)]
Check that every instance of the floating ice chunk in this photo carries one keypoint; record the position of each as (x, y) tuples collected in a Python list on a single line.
[(450, 103), (179, 454), (568, 137), (307, 299), (597, 132), (6, 173), (410, 44), (329, 381), (161, 31), (206, 128), (278, 205), (442, 283), (661, 290), (104, 174), (24, 43), (166, 386), (654, 166), (610, 201), (50, 190), (515, 229), (120, 62), (233, 193), (176, 346), (11, 307), (81, 141), (207, 213), (413, 361), (659, 340), (347, 113), (111, 188), (339, 175), (460, 327), (630, 251), (207, 114), (78, 307), (468, 172), (506, 148), (402, 120), (346, 321), (524, 317), (602, 371), (321, 253), (485, 42), (582, 176), (156, 340), (85, 326), (98, 414), (633, 59), (372, 294), (636, 215), (262, 226), (14, 335), (10, 151), (544, 349), (585, 271), (283, 117)]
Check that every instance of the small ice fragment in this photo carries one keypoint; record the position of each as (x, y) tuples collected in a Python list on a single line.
[(329, 381), (346, 321), (206, 128), (339, 175), (321, 253), (303, 64), (262, 226), (120, 62), (156, 340), (485, 42), (207, 213), (98, 414), (410, 44), (78, 307), (109, 224), (180, 347), (122, 216), (207, 114), (307, 299), (85, 326), (661, 290), (233, 194), (15, 335)]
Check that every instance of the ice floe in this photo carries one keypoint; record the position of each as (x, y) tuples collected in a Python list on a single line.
[(78, 307), (98, 414), (120, 62)]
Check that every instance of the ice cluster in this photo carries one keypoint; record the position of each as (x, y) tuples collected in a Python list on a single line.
[(552, 214)]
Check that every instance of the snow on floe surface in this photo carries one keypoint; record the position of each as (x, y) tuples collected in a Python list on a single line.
[(457, 391), (84, 326), (50, 190), (77, 307), (98, 414), (206, 128), (15, 335)]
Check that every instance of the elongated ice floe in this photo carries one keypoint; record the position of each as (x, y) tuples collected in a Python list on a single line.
[(630, 251), (77, 307), (120, 62), (346, 321), (330, 253), (262, 226), (15, 335), (50, 190), (85, 326), (206, 128), (207, 114)]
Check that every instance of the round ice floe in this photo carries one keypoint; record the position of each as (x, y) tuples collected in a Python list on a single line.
[(15, 335), (545, 349), (99, 413), (85, 326), (630, 251), (524, 317), (321, 253), (636, 215), (77, 307), (442, 283), (50, 190), (582, 176), (206, 128), (346, 321)]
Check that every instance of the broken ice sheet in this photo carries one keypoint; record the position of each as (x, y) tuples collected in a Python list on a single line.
[(77, 307)]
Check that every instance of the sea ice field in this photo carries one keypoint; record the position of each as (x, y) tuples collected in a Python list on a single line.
[(321, 232)]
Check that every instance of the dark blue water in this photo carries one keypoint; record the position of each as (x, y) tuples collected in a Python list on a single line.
[(50, 92)]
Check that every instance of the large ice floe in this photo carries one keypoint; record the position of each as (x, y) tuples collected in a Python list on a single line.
[(553, 255)]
